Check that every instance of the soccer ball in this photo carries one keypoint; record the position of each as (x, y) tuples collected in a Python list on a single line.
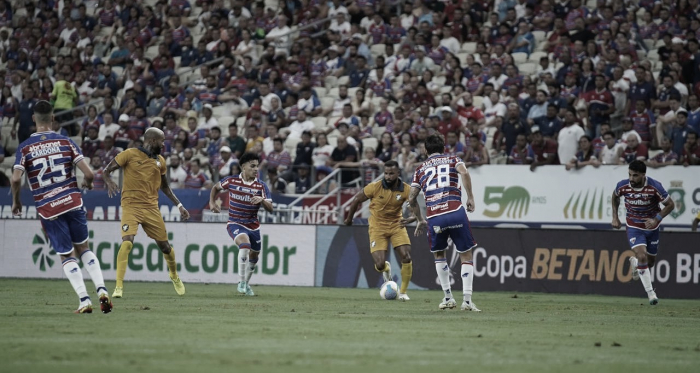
[(389, 290)]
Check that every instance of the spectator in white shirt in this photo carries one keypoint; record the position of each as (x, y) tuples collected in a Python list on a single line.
[(569, 137), (448, 41), (298, 127), (340, 102), (340, 25), (176, 173), (109, 128), (207, 121), (611, 152), (279, 36), (267, 97)]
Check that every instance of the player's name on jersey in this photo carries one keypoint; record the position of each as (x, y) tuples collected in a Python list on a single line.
[(52, 148)]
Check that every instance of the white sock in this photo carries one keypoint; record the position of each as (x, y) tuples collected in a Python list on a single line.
[(443, 272), (75, 276), (251, 268), (467, 280), (92, 265), (633, 262), (645, 277), (242, 263)]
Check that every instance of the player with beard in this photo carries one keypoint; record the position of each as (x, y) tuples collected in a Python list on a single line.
[(386, 223), (642, 198), (144, 173)]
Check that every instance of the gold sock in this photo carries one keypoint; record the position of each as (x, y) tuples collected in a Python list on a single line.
[(406, 273), (170, 259), (123, 261)]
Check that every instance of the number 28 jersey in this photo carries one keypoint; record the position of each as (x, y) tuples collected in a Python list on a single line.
[(439, 180), (48, 159)]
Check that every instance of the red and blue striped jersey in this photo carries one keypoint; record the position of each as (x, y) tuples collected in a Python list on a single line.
[(180, 33), (48, 159), (240, 210), (643, 203), (107, 17), (439, 180)]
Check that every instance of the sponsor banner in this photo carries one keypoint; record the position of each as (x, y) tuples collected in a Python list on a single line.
[(205, 253), (553, 195), (311, 210), (559, 261)]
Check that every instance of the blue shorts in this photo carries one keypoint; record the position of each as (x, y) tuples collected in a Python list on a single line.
[(66, 230), (235, 230), (454, 225), (638, 237)]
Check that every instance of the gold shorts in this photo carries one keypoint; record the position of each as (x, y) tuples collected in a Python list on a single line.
[(150, 219), (379, 238)]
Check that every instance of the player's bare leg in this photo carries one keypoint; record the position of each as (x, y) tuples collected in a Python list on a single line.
[(443, 272), (403, 252), (122, 262), (169, 254), (468, 281), (243, 242), (92, 265), (640, 253), (381, 265), (75, 276)]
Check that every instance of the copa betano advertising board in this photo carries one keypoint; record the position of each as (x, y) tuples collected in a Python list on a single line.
[(204, 252), (553, 195), (523, 260)]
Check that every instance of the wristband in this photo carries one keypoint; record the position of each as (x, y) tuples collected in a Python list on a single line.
[(179, 205), (659, 217)]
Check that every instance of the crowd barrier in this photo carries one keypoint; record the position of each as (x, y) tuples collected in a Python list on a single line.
[(517, 260)]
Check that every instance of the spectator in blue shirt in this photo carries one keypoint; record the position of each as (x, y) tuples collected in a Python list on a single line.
[(359, 76)]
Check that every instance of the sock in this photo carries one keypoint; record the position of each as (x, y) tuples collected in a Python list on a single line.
[(251, 268), (92, 265), (443, 272), (406, 273), (243, 250), (645, 276), (467, 280), (122, 259), (172, 264), (75, 276)]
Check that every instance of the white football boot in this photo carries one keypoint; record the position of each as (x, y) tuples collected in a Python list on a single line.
[(447, 303), (469, 306)]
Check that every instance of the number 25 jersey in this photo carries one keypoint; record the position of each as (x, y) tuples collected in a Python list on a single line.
[(48, 159), (439, 180)]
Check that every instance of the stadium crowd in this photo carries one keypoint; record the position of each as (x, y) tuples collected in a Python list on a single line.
[(312, 86)]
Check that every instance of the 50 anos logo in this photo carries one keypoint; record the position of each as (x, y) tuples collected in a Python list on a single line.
[(513, 201)]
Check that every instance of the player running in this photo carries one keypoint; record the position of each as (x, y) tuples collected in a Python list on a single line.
[(437, 177), (49, 160), (386, 223), (245, 196), (144, 173), (642, 198)]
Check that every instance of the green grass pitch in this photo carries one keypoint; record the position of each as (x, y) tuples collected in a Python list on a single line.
[(288, 329)]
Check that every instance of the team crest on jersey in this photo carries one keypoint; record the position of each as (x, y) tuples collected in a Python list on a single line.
[(158, 164), (125, 227), (398, 197), (43, 137)]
